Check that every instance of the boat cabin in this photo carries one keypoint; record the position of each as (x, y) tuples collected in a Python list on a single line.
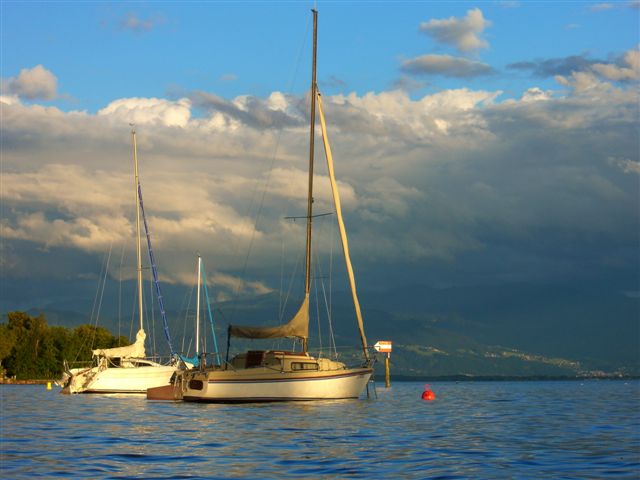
[(283, 361)]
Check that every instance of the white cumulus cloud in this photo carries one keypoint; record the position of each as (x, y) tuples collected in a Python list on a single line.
[(149, 111), (136, 24), (35, 83), (462, 33)]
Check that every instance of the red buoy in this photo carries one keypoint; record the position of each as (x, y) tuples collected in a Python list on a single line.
[(428, 394)]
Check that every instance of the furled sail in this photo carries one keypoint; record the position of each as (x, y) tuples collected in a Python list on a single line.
[(343, 232), (298, 327), (136, 350)]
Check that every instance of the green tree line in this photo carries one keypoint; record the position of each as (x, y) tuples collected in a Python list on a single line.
[(30, 349)]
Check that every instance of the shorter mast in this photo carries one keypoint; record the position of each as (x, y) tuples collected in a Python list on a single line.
[(198, 308), (138, 241), (343, 232)]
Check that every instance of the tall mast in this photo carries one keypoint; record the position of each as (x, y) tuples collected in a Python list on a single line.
[(307, 276), (138, 241)]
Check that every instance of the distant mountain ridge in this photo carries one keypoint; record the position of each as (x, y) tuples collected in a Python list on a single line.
[(511, 330)]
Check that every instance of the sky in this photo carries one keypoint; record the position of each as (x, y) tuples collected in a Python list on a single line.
[(475, 143)]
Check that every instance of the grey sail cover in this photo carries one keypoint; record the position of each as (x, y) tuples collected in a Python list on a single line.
[(298, 327)]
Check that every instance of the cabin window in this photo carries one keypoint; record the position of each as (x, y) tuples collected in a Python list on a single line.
[(140, 364), (195, 384), (304, 366), (254, 358)]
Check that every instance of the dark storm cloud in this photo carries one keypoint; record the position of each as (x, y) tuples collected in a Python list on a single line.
[(254, 112), (621, 68), (555, 66), (445, 65), (333, 82), (407, 84)]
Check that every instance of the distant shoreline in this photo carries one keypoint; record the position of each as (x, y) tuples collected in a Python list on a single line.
[(6, 381), (503, 378), (443, 378)]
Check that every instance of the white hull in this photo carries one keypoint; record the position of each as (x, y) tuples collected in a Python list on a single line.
[(119, 380), (218, 387)]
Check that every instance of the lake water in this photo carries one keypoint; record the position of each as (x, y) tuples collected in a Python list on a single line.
[(587, 429)]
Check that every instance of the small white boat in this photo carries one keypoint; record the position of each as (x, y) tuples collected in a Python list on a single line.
[(117, 373), (274, 375), (122, 369)]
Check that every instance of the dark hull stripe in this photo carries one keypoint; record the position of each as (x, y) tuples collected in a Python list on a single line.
[(261, 399), (296, 379), (139, 392)]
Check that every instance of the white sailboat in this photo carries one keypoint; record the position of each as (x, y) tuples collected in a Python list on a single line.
[(122, 369), (276, 375)]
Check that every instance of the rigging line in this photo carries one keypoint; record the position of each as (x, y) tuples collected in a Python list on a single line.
[(318, 268), (280, 299), (120, 293), (329, 322), (133, 313), (95, 300), (184, 322), (93, 321), (322, 239), (330, 309), (153, 317), (268, 180), (104, 282), (290, 288), (186, 319), (204, 338), (145, 310), (213, 330), (93, 308), (328, 304), (312, 216), (315, 287), (188, 354)]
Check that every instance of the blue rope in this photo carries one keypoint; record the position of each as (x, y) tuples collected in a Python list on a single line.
[(154, 269)]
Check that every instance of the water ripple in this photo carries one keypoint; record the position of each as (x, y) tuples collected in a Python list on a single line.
[(472, 430)]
